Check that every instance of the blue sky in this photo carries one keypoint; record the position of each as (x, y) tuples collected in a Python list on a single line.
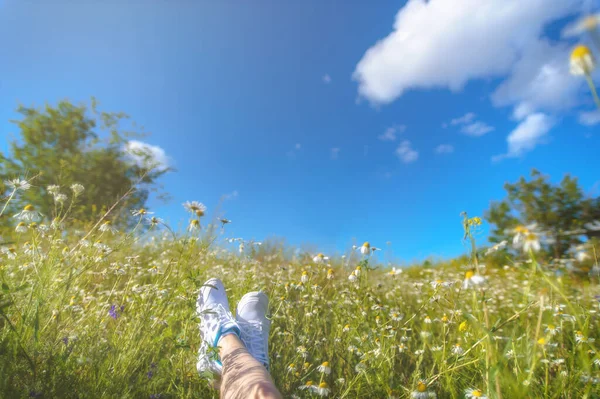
[(254, 98)]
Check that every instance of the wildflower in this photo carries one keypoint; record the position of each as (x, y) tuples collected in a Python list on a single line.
[(531, 243), (77, 189), (472, 280), (463, 326), (53, 189), (320, 258), (580, 338), (367, 249), (29, 214), (588, 23), (471, 393), (520, 234), (330, 274), (321, 389), (18, 184), (107, 227), (395, 272), (324, 368), (582, 61), (154, 221), (352, 277), (552, 329), (304, 277), (541, 341), (141, 212), (291, 368), (195, 207), (241, 248), (457, 349), (60, 198), (194, 225), (346, 328), (396, 316), (357, 271), (496, 247), (302, 351), (10, 252), (224, 222), (421, 392), (21, 228), (307, 385), (427, 319)]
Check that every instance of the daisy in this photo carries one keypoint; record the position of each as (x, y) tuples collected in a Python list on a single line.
[(107, 227), (588, 23), (496, 247), (10, 252), (471, 393), (330, 274), (194, 225), (195, 207), (582, 61), (140, 212), (531, 243), (352, 277), (395, 272), (552, 329), (29, 214), (367, 249), (324, 368), (18, 184), (320, 258), (21, 228), (304, 277), (421, 392), (291, 368), (472, 280), (457, 350)]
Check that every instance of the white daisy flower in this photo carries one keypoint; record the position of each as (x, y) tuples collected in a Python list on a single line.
[(29, 214), (18, 184)]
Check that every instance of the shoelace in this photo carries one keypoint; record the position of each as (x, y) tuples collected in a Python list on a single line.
[(253, 339)]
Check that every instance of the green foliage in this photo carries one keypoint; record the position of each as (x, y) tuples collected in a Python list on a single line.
[(560, 211), (66, 144)]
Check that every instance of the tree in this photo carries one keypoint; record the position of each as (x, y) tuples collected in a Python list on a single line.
[(69, 144), (561, 212)]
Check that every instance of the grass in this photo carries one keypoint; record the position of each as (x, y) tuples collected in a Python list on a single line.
[(113, 315)]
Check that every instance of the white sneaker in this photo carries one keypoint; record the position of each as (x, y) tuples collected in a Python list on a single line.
[(216, 321), (251, 315)]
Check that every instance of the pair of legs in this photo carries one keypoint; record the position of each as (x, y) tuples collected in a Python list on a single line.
[(243, 376), (242, 342)]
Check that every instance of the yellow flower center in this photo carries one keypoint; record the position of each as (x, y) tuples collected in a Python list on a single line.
[(521, 229), (358, 268), (580, 52), (107, 222), (321, 256), (541, 341), (142, 211), (469, 274), (28, 208), (323, 385), (304, 273), (195, 222), (199, 212), (292, 365), (309, 383), (325, 364), (477, 393), (367, 245), (21, 224), (531, 237), (330, 271), (421, 387), (551, 327), (444, 318)]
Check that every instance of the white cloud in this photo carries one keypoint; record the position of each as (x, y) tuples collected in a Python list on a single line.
[(391, 133), (335, 152), (326, 79), (441, 43), (467, 118), (470, 127), (444, 149), (445, 44), (476, 129), (527, 135), (590, 118), (298, 146), (146, 155), (406, 153)]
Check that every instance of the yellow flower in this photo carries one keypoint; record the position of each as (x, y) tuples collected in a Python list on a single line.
[(541, 341), (463, 326), (421, 386), (469, 274), (582, 61)]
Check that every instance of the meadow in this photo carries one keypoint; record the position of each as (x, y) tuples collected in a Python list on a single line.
[(98, 312)]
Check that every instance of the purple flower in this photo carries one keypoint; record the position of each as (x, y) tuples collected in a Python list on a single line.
[(65, 340), (113, 311)]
